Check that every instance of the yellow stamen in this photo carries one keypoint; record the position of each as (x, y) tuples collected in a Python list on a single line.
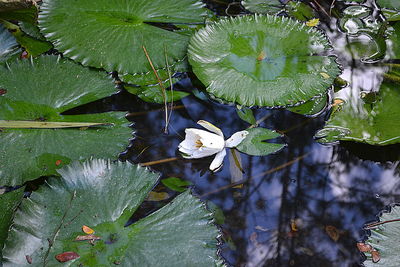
[(199, 144)]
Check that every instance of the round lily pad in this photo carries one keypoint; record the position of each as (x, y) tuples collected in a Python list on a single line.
[(262, 60), (110, 34), (103, 196)]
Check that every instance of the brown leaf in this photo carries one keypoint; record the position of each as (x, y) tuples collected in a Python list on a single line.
[(333, 232), (293, 225), (375, 256), (364, 247), (58, 162), (87, 237), (28, 259), (87, 230), (67, 256)]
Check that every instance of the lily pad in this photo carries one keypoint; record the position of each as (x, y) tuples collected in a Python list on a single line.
[(254, 143), (110, 34), (8, 44), (255, 62), (39, 90), (361, 120), (153, 94), (263, 6), (103, 196), (8, 204), (385, 239), (312, 107), (389, 4)]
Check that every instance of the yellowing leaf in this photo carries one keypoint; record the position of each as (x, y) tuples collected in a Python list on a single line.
[(87, 230), (324, 75), (157, 196), (312, 22)]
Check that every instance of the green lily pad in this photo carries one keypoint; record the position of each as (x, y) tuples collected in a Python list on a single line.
[(111, 34), (359, 120), (8, 204), (255, 62), (312, 107), (385, 239), (39, 90), (153, 94), (263, 6), (254, 143), (8, 45), (103, 196), (26, 13), (175, 184), (389, 4), (246, 114)]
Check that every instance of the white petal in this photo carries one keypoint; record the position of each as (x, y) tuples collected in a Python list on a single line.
[(216, 164), (236, 139), (204, 152), (211, 127)]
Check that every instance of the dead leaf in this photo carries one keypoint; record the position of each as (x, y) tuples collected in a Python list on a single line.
[(67, 256), (293, 225), (28, 259), (87, 237), (58, 162), (333, 232), (362, 247), (87, 230), (261, 56), (375, 256), (312, 22)]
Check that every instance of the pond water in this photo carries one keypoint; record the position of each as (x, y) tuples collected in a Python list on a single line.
[(302, 206)]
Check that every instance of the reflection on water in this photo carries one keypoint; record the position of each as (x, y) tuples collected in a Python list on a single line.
[(303, 206)]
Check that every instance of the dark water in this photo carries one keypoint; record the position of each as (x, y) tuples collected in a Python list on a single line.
[(303, 206)]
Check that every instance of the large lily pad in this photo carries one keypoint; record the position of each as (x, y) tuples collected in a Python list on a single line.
[(374, 121), (110, 34), (39, 90), (8, 44), (103, 196), (385, 239), (262, 60)]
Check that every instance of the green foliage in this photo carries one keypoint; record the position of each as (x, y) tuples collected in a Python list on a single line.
[(246, 114), (385, 239), (312, 107), (271, 7), (389, 4), (103, 196), (39, 90), (153, 93), (254, 62), (8, 204), (254, 143), (176, 184), (362, 120), (110, 34), (33, 46)]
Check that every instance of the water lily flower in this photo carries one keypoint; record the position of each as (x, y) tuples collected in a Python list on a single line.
[(201, 143)]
